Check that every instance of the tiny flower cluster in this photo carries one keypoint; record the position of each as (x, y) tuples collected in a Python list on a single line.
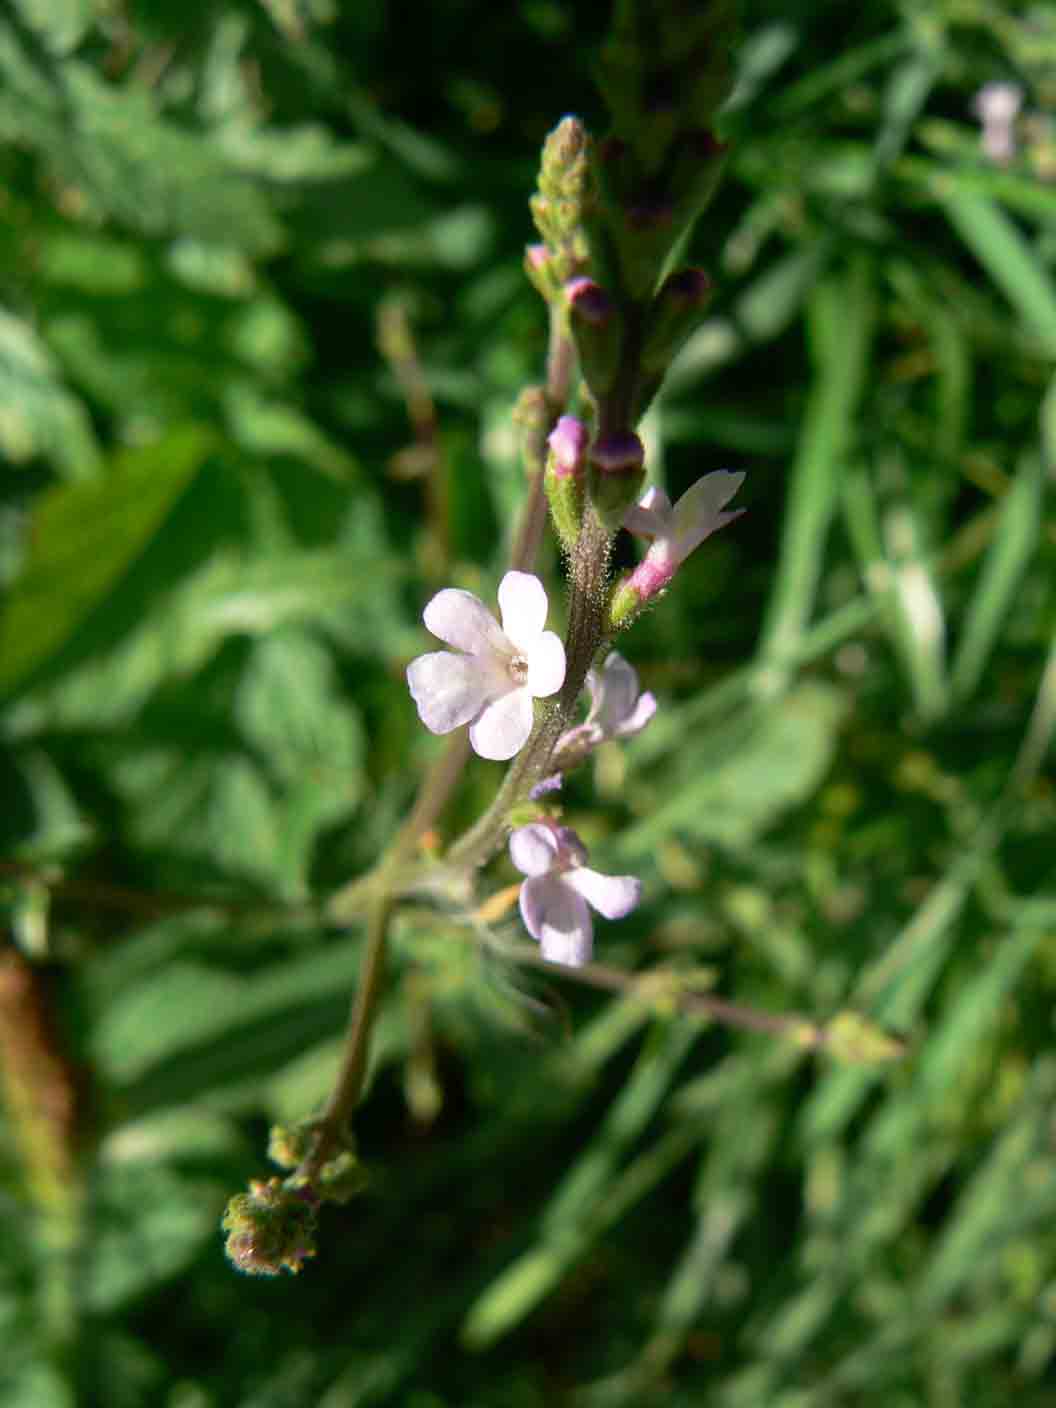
[(494, 672)]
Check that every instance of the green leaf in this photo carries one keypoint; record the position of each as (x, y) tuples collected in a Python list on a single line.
[(112, 147), (1001, 248), (1015, 538), (733, 795), (841, 318), (83, 537)]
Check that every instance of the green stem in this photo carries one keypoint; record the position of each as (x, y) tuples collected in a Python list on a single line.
[(333, 1126)]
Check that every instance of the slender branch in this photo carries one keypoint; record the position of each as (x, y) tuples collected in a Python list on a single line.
[(344, 1097)]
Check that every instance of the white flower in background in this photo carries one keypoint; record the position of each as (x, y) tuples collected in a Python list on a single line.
[(557, 896), (997, 107), (617, 710), (678, 531), (491, 683)]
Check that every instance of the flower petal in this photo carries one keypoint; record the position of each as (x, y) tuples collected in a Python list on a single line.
[(637, 720), (697, 513), (558, 918), (546, 665), (614, 689), (651, 515), (448, 689), (503, 726), (522, 601), (461, 619), (533, 849), (611, 895)]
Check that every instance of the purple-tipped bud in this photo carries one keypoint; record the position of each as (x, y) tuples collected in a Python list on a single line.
[(568, 444), (589, 301), (619, 453), (676, 312), (617, 463), (688, 288), (536, 256)]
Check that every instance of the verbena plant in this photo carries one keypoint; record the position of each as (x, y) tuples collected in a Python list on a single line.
[(784, 1135)]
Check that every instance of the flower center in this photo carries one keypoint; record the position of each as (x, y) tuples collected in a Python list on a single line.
[(518, 669)]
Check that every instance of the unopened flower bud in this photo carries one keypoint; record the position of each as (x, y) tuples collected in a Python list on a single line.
[(624, 606), (565, 473), (595, 327), (568, 447), (538, 265), (269, 1229), (531, 417), (565, 195), (617, 463), (589, 301), (290, 1144), (676, 312), (341, 1179), (696, 170)]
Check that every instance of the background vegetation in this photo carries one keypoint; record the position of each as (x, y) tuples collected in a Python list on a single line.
[(262, 324)]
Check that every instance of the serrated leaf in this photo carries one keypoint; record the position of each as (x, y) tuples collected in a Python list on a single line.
[(112, 147)]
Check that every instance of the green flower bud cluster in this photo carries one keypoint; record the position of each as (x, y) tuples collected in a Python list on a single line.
[(562, 207), (269, 1229), (272, 1227)]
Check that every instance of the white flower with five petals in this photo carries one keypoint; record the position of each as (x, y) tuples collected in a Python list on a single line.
[(491, 683), (557, 896)]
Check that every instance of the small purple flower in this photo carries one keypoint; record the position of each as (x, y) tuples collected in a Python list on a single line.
[(677, 531), (560, 889), (491, 683)]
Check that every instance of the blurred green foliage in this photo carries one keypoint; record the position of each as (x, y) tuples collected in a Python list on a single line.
[(222, 508)]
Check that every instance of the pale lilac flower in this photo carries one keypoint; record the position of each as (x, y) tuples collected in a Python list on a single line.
[(677, 531), (556, 897), (490, 685), (617, 710), (997, 106)]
